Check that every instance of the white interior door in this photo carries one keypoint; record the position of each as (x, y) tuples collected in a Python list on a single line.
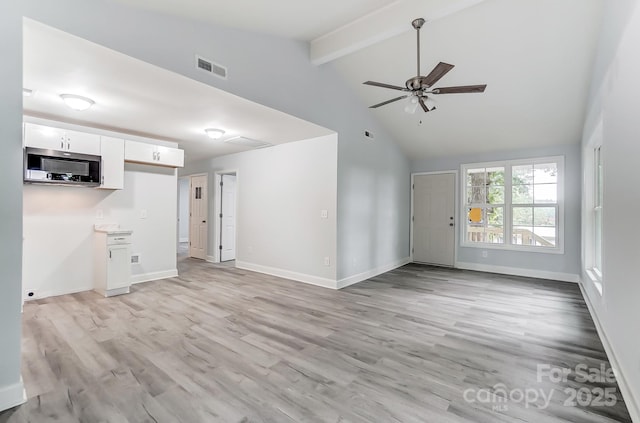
[(198, 226), (433, 219), (228, 220)]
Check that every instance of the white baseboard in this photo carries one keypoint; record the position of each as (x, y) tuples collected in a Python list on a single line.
[(212, 259), (287, 274), (154, 276), (37, 295), (344, 282), (630, 401), (517, 271), (12, 395)]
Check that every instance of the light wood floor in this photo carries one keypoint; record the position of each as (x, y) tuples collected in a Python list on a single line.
[(219, 344)]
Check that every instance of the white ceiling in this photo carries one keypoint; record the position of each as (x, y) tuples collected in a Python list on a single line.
[(536, 57), (298, 19), (141, 99)]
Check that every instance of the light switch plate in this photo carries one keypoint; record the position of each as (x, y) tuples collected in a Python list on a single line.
[(99, 214), (143, 214)]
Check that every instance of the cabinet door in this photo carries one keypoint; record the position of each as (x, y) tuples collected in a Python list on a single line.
[(81, 142), (40, 136), (112, 152), (167, 156), (139, 152), (118, 267)]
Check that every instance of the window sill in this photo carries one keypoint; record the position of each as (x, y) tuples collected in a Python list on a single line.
[(524, 249)]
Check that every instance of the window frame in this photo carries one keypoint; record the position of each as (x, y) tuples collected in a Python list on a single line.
[(508, 205), (597, 211)]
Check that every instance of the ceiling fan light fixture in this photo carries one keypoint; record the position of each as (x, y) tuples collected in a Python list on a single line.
[(214, 133), (77, 102), (412, 105)]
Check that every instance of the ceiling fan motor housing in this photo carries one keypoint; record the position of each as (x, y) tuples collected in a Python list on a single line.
[(417, 83)]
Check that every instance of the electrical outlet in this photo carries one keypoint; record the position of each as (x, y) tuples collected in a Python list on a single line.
[(143, 214), (324, 214), (99, 214), (485, 254), (327, 261)]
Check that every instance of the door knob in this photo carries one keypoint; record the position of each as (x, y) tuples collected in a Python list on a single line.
[(450, 224), (204, 221)]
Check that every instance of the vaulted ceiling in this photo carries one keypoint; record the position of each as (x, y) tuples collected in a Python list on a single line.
[(535, 56)]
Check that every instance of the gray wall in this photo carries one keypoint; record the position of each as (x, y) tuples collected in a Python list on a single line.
[(616, 97), (11, 204), (275, 72), (559, 263), (280, 192)]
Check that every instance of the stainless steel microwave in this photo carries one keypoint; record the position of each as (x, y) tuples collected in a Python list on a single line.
[(61, 167)]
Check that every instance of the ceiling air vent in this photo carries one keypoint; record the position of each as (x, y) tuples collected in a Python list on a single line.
[(211, 67), (248, 142)]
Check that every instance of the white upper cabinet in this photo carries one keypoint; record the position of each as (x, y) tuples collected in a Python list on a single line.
[(140, 152), (39, 136), (81, 142), (112, 152), (50, 138)]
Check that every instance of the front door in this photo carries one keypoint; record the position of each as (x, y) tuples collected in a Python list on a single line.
[(228, 221), (198, 217), (433, 219)]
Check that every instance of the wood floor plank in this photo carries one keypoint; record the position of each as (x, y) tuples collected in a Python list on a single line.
[(219, 344)]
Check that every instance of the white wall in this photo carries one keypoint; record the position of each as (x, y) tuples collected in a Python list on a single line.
[(59, 236), (554, 266), (183, 209), (280, 192), (11, 391), (616, 98), (375, 172)]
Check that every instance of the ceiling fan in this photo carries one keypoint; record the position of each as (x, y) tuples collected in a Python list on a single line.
[(419, 86)]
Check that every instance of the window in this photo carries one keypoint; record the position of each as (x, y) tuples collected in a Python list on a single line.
[(597, 212), (514, 204), (485, 205)]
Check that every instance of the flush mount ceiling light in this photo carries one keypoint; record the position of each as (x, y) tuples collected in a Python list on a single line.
[(77, 102), (214, 133), (26, 92)]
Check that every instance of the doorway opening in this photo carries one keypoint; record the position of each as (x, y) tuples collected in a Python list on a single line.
[(225, 216), (183, 215), (433, 210)]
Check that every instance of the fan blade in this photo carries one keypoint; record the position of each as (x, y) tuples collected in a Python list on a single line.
[(424, 106), (438, 72), (388, 101), (460, 90), (380, 84)]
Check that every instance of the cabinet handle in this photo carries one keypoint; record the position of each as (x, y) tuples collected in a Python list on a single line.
[(62, 144), (118, 239), (109, 253)]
